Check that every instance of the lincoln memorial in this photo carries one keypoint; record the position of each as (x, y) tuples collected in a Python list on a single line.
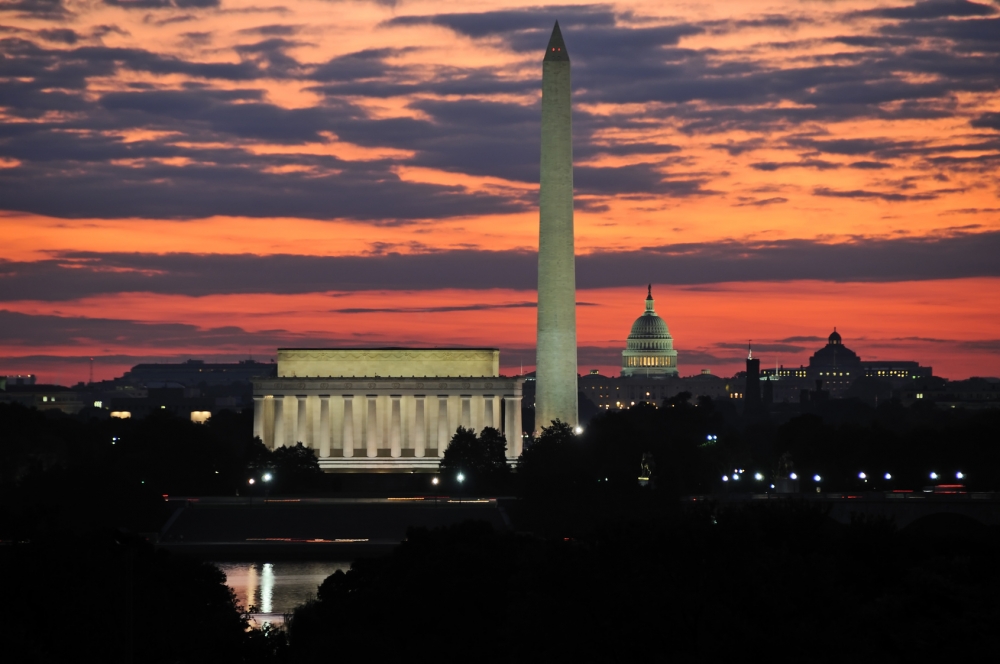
[(386, 408)]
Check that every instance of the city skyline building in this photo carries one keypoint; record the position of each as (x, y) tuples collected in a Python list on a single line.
[(839, 367), (751, 393)]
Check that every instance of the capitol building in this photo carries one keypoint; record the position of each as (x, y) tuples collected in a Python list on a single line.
[(649, 371), (649, 349)]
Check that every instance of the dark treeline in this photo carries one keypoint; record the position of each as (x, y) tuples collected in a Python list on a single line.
[(693, 444), (780, 582), (600, 567), (156, 455), (841, 440), (614, 571), (163, 454), (80, 503), (101, 594)]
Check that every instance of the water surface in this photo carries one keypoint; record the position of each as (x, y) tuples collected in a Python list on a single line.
[(278, 587)]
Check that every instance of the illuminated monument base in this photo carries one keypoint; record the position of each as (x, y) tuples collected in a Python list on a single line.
[(392, 409)]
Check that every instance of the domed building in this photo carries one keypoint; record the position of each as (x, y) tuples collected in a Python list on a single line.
[(837, 367), (649, 370), (835, 360), (649, 350)]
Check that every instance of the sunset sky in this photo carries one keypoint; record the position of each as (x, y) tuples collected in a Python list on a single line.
[(217, 178)]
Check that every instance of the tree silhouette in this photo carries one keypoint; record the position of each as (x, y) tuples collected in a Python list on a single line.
[(555, 462), (479, 459)]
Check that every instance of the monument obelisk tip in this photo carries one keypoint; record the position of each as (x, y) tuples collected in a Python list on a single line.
[(556, 51)]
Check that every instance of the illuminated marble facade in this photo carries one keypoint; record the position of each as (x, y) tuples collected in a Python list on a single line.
[(649, 350), (385, 409)]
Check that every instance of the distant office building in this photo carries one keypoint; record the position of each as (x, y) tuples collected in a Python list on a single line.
[(751, 395), (973, 393), (193, 373), (44, 397), (186, 402), (838, 367), (649, 349), (617, 393), (19, 379)]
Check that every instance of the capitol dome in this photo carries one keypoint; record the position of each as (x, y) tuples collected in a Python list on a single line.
[(649, 350)]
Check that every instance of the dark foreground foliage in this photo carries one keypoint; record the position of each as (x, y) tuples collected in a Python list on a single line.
[(776, 581), (161, 454), (481, 460), (80, 580), (110, 597), (695, 443)]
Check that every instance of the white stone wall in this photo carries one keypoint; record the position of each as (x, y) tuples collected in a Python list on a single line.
[(409, 362)]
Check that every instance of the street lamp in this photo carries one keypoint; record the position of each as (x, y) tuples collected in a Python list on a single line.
[(266, 477), (251, 481), (817, 478), (888, 476), (434, 481), (959, 475), (934, 476), (758, 476), (460, 478), (578, 430), (725, 478), (793, 476), (862, 476)]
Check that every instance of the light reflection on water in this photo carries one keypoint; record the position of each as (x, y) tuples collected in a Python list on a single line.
[(277, 587)]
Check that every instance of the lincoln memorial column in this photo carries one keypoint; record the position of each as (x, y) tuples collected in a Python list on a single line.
[(336, 423), (324, 425), (512, 425), (518, 427), (258, 417), (419, 426), (301, 428), (348, 435), (371, 431), (467, 411), (443, 427), (279, 421), (488, 420), (478, 412), (394, 426)]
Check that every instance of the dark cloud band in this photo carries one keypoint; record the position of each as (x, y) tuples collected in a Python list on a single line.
[(75, 275)]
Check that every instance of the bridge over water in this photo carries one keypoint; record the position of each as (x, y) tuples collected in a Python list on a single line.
[(903, 508)]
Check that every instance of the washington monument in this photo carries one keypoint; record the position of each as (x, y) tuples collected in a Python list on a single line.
[(555, 366)]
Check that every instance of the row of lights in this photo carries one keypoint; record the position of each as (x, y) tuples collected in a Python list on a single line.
[(959, 475), (460, 477), (266, 477)]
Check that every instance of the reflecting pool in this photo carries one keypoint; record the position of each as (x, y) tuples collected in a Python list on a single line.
[(277, 588)]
